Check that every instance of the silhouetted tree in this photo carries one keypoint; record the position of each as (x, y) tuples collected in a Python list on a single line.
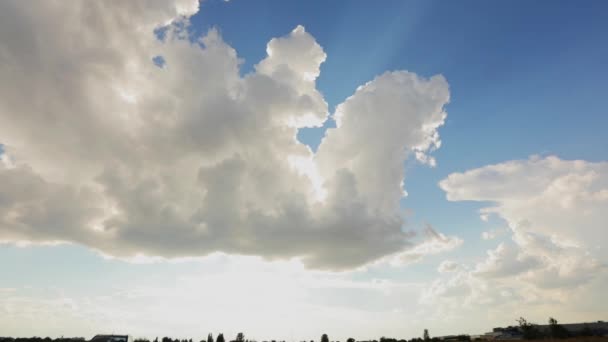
[(324, 338), (220, 338), (426, 336), (529, 330), (557, 330), (240, 337), (350, 339), (210, 338)]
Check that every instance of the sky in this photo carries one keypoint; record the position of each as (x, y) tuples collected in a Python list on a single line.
[(287, 169)]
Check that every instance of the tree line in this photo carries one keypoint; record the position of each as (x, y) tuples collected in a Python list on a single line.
[(240, 337), (529, 331)]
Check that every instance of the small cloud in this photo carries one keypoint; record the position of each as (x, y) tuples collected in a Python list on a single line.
[(433, 243), (448, 266), (494, 233)]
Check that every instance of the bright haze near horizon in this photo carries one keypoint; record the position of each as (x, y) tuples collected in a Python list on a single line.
[(287, 169)]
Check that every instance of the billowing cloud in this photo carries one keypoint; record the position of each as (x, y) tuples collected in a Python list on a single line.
[(556, 211), (549, 196), (105, 148)]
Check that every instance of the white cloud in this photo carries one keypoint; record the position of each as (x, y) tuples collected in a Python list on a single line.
[(505, 261), (459, 296), (448, 266), (433, 243), (555, 210), (558, 198), (110, 151), (374, 134), (493, 233), (555, 214)]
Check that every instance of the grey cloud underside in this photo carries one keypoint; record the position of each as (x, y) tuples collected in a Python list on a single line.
[(106, 149)]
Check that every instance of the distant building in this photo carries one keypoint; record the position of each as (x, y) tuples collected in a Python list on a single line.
[(454, 338), (111, 338), (599, 328), (596, 328), (502, 334)]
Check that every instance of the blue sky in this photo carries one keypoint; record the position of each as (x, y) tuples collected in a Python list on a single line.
[(89, 134)]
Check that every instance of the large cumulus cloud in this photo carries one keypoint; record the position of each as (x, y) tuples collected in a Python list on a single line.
[(104, 148)]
